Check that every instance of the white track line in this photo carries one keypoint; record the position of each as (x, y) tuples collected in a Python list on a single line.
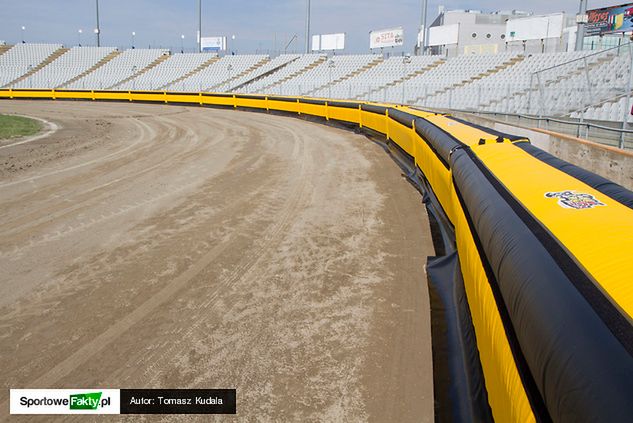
[(66, 169), (52, 128)]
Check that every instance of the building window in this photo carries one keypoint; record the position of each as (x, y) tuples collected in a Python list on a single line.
[(503, 36), (488, 35), (474, 35)]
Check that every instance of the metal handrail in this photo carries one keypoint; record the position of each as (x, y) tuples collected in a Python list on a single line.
[(629, 44), (600, 103), (528, 117), (551, 119)]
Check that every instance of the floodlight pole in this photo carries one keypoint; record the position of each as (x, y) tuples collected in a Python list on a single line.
[(199, 26), (307, 26), (425, 4), (98, 31), (580, 31)]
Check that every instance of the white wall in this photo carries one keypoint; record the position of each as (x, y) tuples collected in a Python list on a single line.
[(535, 27)]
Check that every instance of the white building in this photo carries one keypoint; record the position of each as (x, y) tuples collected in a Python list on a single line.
[(456, 32)]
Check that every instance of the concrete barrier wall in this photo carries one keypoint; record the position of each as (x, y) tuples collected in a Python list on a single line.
[(543, 260)]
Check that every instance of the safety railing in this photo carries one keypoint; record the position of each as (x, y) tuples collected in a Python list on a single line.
[(614, 136)]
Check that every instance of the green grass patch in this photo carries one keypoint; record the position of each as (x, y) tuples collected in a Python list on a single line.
[(18, 126)]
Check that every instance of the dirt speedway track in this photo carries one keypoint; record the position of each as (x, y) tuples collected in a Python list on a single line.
[(158, 246)]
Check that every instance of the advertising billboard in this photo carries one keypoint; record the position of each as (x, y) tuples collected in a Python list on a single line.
[(443, 35), (535, 28), (609, 20), (392, 37), (328, 42), (209, 44)]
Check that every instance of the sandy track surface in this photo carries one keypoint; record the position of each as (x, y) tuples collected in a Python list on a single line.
[(168, 247)]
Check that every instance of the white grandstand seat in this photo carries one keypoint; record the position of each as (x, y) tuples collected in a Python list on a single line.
[(21, 58), (67, 66), (218, 72), (328, 71), (276, 63), (173, 68), (264, 84), (575, 84), (386, 72), (125, 65)]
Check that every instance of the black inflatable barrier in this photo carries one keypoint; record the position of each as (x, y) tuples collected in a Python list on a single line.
[(372, 108), (573, 362), (500, 135), (440, 142), (458, 380)]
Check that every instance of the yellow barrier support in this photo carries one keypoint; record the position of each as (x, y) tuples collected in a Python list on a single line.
[(414, 143), (360, 116)]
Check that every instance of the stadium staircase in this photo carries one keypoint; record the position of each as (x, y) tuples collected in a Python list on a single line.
[(265, 74), (4, 48), (403, 79), (295, 74), (161, 59), (193, 72), (600, 61), (358, 71), (508, 63), (96, 66), (608, 57), (241, 74), (54, 56)]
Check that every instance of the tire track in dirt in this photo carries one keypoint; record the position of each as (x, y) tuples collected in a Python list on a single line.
[(103, 340), (231, 248)]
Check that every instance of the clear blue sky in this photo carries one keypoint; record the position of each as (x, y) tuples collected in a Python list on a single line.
[(254, 23)]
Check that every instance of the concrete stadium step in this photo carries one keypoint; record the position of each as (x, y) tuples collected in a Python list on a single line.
[(96, 66), (193, 72), (405, 78), (295, 74), (265, 74), (54, 56), (161, 59), (4, 48), (360, 70), (241, 74), (496, 69)]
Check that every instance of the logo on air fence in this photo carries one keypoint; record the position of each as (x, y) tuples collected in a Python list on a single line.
[(575, 200)]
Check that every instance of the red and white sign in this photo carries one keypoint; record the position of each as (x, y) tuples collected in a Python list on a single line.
[(386, 38)]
